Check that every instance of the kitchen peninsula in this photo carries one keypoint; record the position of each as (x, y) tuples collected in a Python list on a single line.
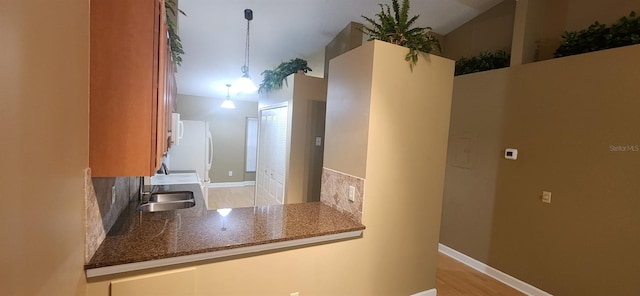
[(141, 240)]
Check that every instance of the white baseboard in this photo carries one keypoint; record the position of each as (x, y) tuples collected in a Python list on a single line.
[(492, 272), (231, 184), (431, 292)]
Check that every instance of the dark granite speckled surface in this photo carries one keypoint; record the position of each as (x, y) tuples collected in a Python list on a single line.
[(138, 236)]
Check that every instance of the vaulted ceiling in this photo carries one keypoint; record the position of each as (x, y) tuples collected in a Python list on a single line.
[(213, 33)]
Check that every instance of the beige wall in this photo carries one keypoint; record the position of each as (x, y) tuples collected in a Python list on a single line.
[(315, 61), (349, 38), (348, 113), (542, 23), (228, 128), (563, 115), (527, 30), (475, 145), (532, 29), (304, 169), (587, 103), (300, 92), (397, 253), (44, 116), (317, 117), (572, 15), (492, 30), (407, 144)]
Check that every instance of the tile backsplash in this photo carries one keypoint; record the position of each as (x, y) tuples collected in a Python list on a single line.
[(101, 213), (335, 192)]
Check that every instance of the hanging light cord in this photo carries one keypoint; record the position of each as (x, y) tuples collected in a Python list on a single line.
[(245, 68)]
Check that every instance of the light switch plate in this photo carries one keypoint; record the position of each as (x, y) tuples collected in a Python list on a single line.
[(546, 196), (113, 194), (352, 193), (511, 153)]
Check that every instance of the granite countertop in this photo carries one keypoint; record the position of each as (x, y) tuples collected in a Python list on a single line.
[(142, 240)]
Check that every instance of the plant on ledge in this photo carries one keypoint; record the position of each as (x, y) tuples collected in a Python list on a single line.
[(598, 37), (174, 40), (484, 61), (396, 28), (273, 79)]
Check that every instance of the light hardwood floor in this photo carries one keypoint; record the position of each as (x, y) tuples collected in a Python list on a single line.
[(237, 197), (231, 197), (453, 278)]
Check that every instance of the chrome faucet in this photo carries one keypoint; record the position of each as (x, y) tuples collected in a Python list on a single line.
[(163, 168), (141, 191)]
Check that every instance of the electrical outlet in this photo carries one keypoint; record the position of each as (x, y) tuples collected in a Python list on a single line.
[(113, 194), (230, 173), (546, 196), (352, 193)]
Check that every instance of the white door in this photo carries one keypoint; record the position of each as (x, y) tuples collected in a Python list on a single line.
[(272, 150)]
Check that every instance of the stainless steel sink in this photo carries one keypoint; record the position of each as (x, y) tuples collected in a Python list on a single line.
[(166, 206), (171, 196), (168, 201)]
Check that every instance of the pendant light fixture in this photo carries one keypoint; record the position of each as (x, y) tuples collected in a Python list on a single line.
[(228, 103), (244, 84)]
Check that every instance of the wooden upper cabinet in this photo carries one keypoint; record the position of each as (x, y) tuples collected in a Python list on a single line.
[(128, 127)]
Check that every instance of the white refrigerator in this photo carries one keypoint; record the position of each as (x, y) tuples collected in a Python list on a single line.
[(194, 152)]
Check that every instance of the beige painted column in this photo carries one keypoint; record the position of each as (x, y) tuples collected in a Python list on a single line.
[(527, 31), (386, 136)]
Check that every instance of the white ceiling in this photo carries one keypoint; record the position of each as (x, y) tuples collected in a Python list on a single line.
[(213, 34)]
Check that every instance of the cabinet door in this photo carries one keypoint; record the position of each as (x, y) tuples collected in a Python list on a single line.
[(174, 282), (162, 120), (125, 62)]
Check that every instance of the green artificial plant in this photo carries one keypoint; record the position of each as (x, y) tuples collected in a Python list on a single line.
[(598, 37), (174, 40), (484, 61), (397, 28), (273, 79)]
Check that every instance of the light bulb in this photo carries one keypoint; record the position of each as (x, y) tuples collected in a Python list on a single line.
[(228, 104), (245, 85)]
